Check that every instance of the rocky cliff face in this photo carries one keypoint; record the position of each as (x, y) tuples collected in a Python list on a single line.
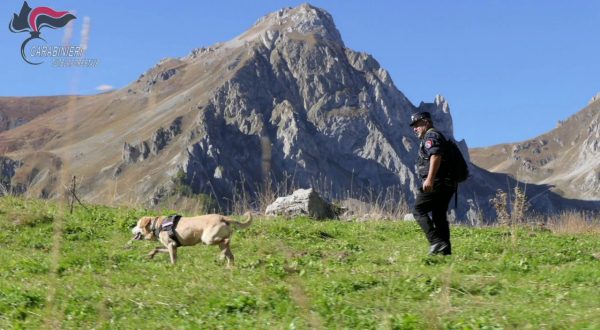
[(8, 168), (283, 103), (323, 112)]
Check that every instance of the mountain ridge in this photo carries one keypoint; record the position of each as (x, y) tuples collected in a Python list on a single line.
[(566, 157)]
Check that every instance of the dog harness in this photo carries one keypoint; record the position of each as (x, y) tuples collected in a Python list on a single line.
[(169, 225)]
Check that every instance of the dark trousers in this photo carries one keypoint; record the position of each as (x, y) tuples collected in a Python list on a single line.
[(436, 227)]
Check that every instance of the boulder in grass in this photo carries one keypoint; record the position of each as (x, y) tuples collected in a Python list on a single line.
[(409, 217), (303, 202)]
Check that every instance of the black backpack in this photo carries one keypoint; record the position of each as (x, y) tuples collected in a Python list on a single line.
[(458, 170)]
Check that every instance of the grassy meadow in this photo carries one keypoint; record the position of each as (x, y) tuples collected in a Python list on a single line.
[(74, 271)]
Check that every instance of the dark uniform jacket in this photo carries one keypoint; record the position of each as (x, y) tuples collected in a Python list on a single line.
[(434, 143)]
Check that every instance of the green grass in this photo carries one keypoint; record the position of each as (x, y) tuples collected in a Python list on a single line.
[(74, 272)]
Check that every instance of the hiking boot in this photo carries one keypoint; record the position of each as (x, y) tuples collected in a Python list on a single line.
[(440, 248)]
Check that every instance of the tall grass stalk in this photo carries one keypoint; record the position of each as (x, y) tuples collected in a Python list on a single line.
[(573, 222)]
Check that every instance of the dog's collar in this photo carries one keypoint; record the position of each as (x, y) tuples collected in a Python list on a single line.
[(155, 230)]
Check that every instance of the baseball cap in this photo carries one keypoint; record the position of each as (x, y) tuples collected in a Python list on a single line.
[(415, 117)]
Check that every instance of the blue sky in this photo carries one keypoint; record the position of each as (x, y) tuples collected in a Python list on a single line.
[(509, 69)]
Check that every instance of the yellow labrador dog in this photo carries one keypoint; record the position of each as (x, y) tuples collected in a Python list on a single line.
[(210, 229)]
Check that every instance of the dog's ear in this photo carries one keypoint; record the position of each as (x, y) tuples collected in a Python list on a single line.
[(144, 224)]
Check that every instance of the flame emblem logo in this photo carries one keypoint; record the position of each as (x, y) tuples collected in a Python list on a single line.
[(33, 20)]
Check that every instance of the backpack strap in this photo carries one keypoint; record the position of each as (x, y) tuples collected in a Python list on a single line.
[(439, 132), (447, 142), (456, 197)]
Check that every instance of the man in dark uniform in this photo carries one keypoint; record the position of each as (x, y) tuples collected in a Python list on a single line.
[(436, 189)]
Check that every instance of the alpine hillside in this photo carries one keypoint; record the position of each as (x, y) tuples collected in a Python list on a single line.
[(566, 158)]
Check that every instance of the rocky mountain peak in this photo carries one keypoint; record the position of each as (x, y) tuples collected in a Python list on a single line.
[(440, 113), (594, 99), (440, 102), (304, 20)]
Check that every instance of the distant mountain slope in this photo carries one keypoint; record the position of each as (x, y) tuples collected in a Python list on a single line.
[(16, 111), (567, 158)]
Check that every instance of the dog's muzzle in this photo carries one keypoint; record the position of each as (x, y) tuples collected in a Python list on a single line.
[(137, 234)]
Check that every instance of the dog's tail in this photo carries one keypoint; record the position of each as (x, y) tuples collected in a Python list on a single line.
[(241, 225)]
